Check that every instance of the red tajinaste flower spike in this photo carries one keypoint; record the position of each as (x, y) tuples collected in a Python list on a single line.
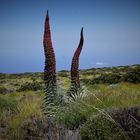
[(75, 62), (50, 63)]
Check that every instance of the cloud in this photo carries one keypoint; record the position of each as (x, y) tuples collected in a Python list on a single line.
[(100, 63)]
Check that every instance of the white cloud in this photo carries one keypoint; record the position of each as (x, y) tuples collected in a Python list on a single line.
[(100, 63)]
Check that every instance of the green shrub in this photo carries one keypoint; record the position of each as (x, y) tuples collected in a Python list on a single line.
[(132, 76), (113, 124), (110, 78), (70, 117), (129, 120), (31, 86), (3, 90), (7, 103), (63, 74), (99, 128)]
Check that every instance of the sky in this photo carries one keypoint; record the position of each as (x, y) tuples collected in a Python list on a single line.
[(111, 33)]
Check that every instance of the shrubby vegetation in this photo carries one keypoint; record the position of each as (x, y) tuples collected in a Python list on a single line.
[(132, 76), (34, 81), (3, 90), (114, 75), (24, 106), (28, 86), (63, 74), (100, 128), (7, 103), (107, 78), (113, 88)]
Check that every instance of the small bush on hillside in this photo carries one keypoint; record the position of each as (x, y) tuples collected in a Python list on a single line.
[(70, 117), (118, 124), (129, 120), (101, 128), (111, 78), (31, 86), (63, 74), (7, 103), (3, 90), (35, 128), (133, 76)]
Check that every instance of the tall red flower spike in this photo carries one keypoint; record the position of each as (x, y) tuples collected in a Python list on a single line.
[(75, 63), (50, 63)]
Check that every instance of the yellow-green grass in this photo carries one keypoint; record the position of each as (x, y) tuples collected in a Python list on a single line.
[(28, 105), (99, 96), (118, 95)]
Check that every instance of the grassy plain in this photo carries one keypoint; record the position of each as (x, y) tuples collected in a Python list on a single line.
[(21, 97)]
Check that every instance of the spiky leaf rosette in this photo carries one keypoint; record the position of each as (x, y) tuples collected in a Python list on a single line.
[(75, 81), (50, 63)]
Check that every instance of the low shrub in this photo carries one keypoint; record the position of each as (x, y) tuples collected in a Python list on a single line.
[(70, 117), (37, 128), (110, 78), (114, 124), (31, 86), (132, 76), (7, 103), (3, 90), (63, 74), (129, 120), (97, 128)]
